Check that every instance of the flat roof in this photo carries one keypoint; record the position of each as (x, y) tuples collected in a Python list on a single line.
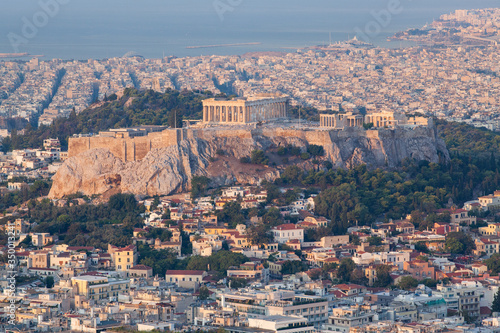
[(89, 278), (280, 318)]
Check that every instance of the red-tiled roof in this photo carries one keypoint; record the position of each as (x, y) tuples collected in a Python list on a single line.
[(141, 267), (287, 226)]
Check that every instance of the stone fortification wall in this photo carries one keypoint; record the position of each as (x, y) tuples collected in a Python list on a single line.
[(165, 162), (127, 149), (340, 145)]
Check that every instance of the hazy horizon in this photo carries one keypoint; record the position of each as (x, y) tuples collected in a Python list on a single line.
[(97, 29)]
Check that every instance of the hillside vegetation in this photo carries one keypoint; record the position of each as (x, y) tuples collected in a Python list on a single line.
[(134, 108), (466, 139)]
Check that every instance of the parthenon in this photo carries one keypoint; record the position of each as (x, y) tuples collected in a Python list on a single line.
[(244, 109)]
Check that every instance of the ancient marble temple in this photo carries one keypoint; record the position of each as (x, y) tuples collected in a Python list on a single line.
[(261, 107)]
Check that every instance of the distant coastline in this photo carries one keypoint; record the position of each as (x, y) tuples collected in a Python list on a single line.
[(221, 45), (18, 55)]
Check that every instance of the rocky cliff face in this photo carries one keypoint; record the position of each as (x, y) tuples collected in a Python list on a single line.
[(169, 170)]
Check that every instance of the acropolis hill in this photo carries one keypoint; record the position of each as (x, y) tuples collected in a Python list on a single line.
[(153, 160)]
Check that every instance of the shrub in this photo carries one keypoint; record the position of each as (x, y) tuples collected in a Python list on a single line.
[(316, 150), (245, 160)]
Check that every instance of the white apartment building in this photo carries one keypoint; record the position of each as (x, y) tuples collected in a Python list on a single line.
[(386, 258), (286, 232)]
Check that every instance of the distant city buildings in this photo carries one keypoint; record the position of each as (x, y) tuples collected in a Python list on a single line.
[(458, 82)]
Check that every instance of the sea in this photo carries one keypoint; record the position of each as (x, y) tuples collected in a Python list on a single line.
[(97, 29)]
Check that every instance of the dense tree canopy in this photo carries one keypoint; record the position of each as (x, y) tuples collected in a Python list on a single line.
[(459, 243), (143, 108), (86, 224), (493, 264), (407, 283), (219, 262)]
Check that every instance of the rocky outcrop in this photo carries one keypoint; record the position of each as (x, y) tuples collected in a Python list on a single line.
[(170, 169)]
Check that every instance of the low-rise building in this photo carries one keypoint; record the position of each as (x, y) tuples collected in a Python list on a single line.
[(185, 278), (345, 318), (420, 269), (282, 324), (285, 232), (99, 287)]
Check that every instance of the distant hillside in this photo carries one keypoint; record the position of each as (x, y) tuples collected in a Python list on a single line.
[(466, 139), (132, 109)]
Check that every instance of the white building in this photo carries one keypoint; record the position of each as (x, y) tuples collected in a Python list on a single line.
[(387, 258), (282, 324), (286, 232)]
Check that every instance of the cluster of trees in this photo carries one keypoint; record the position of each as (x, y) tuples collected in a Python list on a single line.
[(38, 189), (347, 272), (493, 264), (147, 108), (199, 185), (468, 140), (363, 195), (87, 225), (256, 157), (231, 214), (163, 260), (459, 243)]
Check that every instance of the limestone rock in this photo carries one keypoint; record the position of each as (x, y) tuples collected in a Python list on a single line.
[(169, 170)]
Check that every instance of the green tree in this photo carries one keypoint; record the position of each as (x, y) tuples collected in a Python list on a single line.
[(354, 239), (421, 247), (49, 281), (431, 283), (237, 283), (203, 293), (259, 234), (495, 306), (231, 214), (358, 277), (375, 240), (346, 267), (199, 185), (493, 264), (219, 262), (292, 267), (459, 243), (259, 157), (384, 278), (316, 150), (407, 283)]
